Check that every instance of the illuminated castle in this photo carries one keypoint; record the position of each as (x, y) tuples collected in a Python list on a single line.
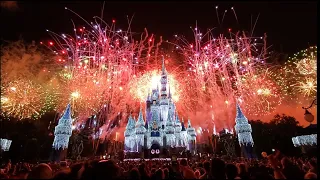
[(162, 126), (63, 130)]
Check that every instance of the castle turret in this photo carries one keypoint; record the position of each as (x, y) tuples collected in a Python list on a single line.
[(177, 125), (169, 130), (177, 132), (164, 101), (184, 134), (171, 106), (62, 133), (129, 135), (192, 136), (63, 130), (191, 132), (148, 107), (169, 96), (140, 131), (243, 130)]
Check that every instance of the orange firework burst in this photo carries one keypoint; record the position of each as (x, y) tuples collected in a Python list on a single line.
[(308, 87), (260, 95), (21, 99)]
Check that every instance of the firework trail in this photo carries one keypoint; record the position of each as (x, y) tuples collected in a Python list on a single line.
[(221, 71)]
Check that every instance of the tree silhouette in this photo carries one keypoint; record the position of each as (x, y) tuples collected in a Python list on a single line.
[(277, 134)]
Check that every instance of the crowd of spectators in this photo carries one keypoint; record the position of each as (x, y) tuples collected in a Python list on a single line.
[(274, 166)]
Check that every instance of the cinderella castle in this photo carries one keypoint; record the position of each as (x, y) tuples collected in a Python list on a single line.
[(162, 127)]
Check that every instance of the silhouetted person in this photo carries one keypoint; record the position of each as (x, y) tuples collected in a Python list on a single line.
[(143, 171), (106, 170), (231, 171), (134, 174), (42, 171), (243, 171), (74, 170), (207, 168), (64, 174), (218, 168)]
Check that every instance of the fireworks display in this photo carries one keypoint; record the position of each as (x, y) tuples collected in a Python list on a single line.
[(102, 67), (140, 86), (224, 70), (305, 63), (297, 78), (22, 99)]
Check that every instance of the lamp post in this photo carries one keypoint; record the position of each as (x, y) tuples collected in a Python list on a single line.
[(307, 115)]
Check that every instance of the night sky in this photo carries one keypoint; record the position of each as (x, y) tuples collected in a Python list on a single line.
[(290, 27)]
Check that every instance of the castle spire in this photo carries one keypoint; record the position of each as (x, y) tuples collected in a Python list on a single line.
[(243, 128), (169, 93), (177, 118), (239, 113), (170, 120), (63, 130), (131, 123), (67, 113), (140, 121), (140, 125), (189, 123)]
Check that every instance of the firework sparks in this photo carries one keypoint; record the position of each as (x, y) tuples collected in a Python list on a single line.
[(298, 76), (22, 99), (222, 70), (142, 85), (100, 62), (306, 61), (308, 87)]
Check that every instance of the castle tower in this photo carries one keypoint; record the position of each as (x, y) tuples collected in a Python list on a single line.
[(172, 107), (184, 134), (192, 136), (140, 131), (148, 107), (62, 133), (154, 108), (169, 130), (63, 130), (177, 132), (243, 130), (129, 135), (164, 102)]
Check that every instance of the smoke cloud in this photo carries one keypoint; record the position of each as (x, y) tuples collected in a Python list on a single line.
[(9, 5)]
